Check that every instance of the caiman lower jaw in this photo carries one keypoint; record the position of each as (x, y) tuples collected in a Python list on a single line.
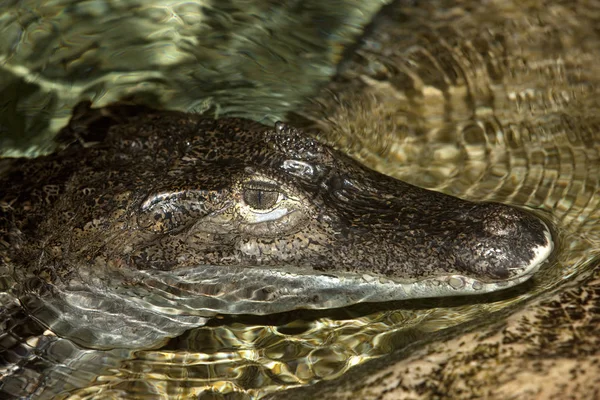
[(268, 290), (176, 300)]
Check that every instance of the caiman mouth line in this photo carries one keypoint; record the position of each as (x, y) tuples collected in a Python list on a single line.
[(258, 290)]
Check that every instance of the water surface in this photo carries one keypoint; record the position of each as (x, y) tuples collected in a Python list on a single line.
[(495, 101)]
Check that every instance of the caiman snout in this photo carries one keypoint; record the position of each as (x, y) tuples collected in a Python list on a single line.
[(498, 242), (440, 243)]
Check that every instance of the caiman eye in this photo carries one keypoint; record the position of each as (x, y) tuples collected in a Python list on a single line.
[(269, 208), (261, 195)]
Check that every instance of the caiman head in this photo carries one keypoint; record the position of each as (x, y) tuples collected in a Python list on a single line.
[(200, 215), (275, 198)]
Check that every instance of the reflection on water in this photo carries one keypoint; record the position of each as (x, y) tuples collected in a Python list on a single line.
[(493, 101), (257, 59)]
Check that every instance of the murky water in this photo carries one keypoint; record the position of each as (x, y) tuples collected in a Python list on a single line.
[(486, 100)]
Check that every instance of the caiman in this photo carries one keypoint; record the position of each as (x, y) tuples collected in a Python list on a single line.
[(151, 221)]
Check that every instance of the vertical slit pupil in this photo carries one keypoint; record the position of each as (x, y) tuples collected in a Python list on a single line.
[(260, 199)]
